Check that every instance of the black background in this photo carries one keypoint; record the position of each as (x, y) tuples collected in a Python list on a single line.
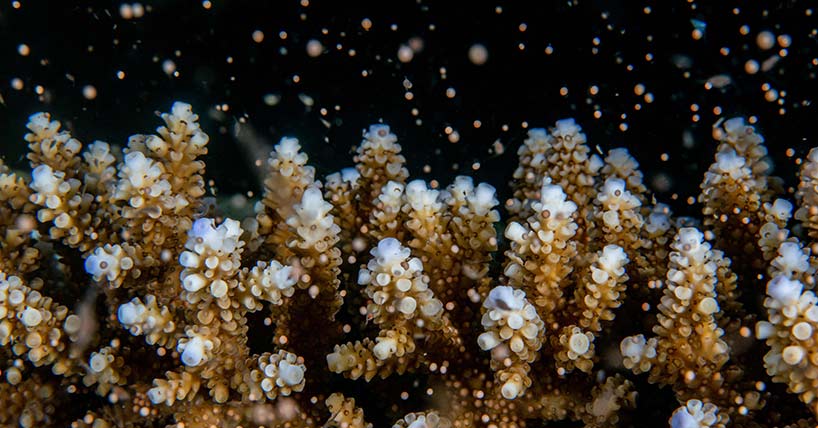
[(74, 44)]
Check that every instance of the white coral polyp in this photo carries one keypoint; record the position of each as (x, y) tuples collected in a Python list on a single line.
[(42, 125), (183, 112), (421, 198), (505, 298), (140, 171), (636, 348), (511, 389), (658, 223), (791, 259), (385, 348), (484, 198), (205, 237), (516, 232), (129, 313), (731, 164), (279, 275), (613, 259), (568, 128), (691, 247), (488, 340), (194, 351), (108, 262), (380, 136), (350, 175), (313, 208), (694, 414), (312, 218), (288, 156), (781, 209), (554, 200), (614, 196), (44, 180), (290, 374), (388, 253), (784, 290)]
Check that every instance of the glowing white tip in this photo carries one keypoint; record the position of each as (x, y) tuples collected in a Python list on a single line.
[(193, 353), (505, 298), (290, 374), (785, 290)]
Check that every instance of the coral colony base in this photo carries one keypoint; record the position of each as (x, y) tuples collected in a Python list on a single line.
[(591, 284)]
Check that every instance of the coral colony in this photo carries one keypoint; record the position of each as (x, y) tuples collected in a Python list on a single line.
[(591, 289)]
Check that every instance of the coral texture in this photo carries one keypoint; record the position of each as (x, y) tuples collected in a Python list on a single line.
[(128, 299)]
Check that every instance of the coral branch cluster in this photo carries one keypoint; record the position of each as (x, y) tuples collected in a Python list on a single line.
[(124, 288)]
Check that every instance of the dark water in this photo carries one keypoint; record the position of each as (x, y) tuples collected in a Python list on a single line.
[(637, 65), (601, 48)]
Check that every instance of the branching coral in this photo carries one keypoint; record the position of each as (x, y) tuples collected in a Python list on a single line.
[(119, 279)]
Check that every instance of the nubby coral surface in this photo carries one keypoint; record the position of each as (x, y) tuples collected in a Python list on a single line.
[(128, 299)]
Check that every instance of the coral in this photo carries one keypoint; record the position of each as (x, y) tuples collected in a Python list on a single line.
[(128, 299)]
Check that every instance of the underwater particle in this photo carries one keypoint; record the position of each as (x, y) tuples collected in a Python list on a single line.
[(258, 36), (23, 49), (307, 100), (125, 11), (498, 147), (17, 83), (366, 24), (405, 54), (769, 63), (699, 28), (168, 66), (639, 90), (207, 4), (784, 40), (765, 40), (89, 92), (417, 44), (131, 11), (478, 54), (314, 48), (454, 137), (751, 66), (719, 81), (272, 99), (682, 61), (771, 95), (688, 141), (450, 93), (661, 182), (138, 10)]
